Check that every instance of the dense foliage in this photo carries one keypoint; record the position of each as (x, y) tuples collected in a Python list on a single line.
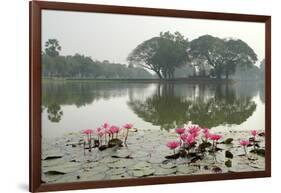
[(161, 54), (80, 66)]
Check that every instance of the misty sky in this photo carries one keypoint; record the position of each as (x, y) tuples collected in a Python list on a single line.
[(112, 36)]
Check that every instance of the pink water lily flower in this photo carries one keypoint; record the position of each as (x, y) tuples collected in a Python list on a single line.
[(88, 131), (183, 136), (180, 131), (114, 129), (206, 133), (173, 144), (105, 125), (194, 130), (190, 139), (128, 126), (101, 133), (254, 133), (98, 129), (244, 143), (215, 137)]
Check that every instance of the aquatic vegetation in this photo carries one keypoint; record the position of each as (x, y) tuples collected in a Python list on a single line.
[(180, 131), (254, 133), (105, 136), (206, 133), (196, 143), (173, 145), (88, 133), (127, 127), (215, 138), (193, 142), (244, 144), (149, 154)]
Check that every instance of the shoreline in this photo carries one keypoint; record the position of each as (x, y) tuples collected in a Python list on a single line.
[(187, 80)]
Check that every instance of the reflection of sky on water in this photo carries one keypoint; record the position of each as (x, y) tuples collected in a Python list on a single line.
[(256, 121)]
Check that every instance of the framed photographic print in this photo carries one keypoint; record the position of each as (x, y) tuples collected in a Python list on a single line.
[(123, 96)]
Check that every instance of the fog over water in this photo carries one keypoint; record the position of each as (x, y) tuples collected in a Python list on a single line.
[(113, 36)]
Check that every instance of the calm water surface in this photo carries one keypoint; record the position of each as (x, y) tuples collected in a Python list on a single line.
[(76, 105)]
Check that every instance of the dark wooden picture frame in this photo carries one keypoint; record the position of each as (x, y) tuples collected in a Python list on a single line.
[(35, 93)]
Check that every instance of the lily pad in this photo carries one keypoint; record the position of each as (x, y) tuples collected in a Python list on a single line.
[(88, 176), (202, 147), (141, 166), (119, 176), (109, 160), (51, 177), (257, 165), (143, 172), (240, 168), (228, 163), (174, 156), (260, 152), (53, 173), (216, 169), (65, 168), (228, 141), (100, 168), (186, 169), (155, 159), (116, 171), (103, 147), (115, 142), (121, 163), (124, 153), (52, 155), (159, 171), (52, 162), (168, 165), (228, 154)]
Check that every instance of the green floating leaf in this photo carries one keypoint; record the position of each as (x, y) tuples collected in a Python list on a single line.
[(204, 145), (143, 172), (228, 154), (115, 142), (54, 172), (216, 169), (174, 156), (228, 141), (260, 152), (228, 163), (103, 147)]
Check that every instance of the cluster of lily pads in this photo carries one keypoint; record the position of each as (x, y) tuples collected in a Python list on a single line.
[(106, 136), (193, 142)]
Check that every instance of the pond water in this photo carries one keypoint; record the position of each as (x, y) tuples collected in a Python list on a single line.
[(71, 106)]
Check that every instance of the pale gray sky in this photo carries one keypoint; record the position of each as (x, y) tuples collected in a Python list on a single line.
[(113, 36)]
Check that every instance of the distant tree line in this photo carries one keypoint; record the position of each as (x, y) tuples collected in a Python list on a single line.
[(80, 66), (169, 56)]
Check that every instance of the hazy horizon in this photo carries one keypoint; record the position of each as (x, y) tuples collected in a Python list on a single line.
[(113, 36)]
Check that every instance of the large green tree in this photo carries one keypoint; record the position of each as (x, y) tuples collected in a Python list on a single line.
[(52, 47), (223, 55), (162, 54)]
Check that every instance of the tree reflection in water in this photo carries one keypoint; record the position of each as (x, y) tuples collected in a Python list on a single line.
[(207, 105), (162, 104), (54, 113)]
